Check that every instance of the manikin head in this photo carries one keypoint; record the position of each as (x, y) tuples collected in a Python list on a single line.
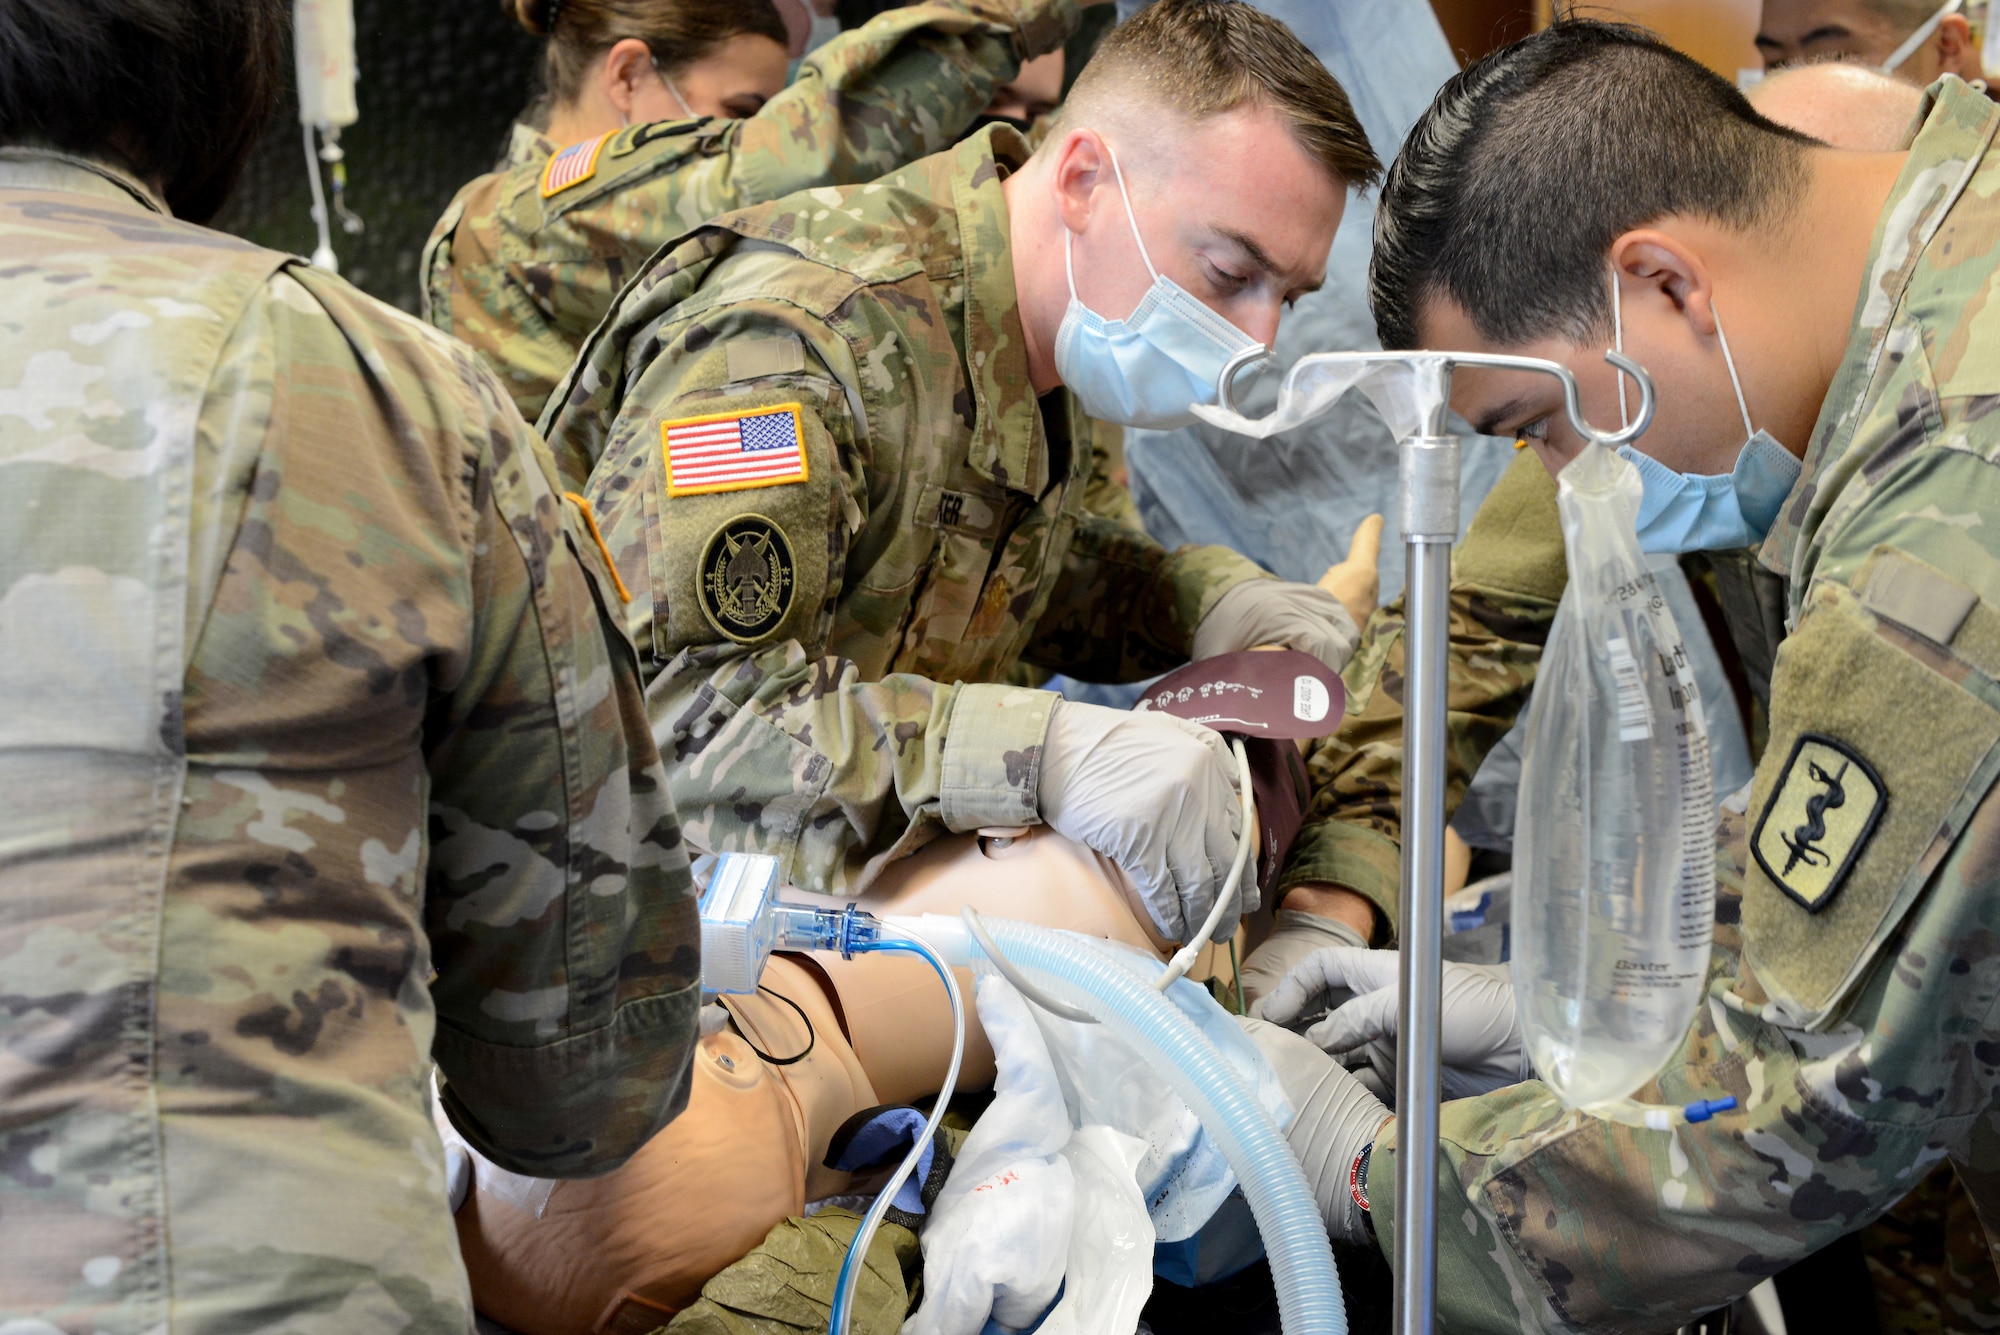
[(176, 91), (1872, 33), (611, 63), (1591, 151), (1840, 104), (1236, 150)]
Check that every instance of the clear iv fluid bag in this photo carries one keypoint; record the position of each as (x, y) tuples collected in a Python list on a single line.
[(1614, 834)]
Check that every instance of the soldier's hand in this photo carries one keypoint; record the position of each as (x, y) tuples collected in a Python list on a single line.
[(1337, 1118), (1357, 581), (1155, 794), (1264, 612), (1479, 1044), (1295, 936)]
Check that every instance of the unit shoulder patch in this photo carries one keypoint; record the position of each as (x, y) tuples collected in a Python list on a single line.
[(747, 578), (735, 451), (573, 165), (1822, 813)]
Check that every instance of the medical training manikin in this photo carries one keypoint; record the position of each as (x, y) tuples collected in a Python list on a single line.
[(625, 1251)]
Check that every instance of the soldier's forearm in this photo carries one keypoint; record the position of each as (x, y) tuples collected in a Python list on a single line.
[(1335, 902), (1117, 612), (898, 89), (775, 752)]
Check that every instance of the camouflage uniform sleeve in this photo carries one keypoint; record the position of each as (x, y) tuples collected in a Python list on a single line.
[(1507, 577), (898, 88), (1124, 608), (558, 905), (1852, 992), (773, 741), (1108, 495)]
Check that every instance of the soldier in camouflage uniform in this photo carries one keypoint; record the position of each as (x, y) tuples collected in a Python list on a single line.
[(1852, 986), (313, 691), (527, 259), (824, 630)]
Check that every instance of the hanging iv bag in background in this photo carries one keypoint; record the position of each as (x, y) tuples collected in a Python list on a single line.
[(323, 55), (1614, 834)]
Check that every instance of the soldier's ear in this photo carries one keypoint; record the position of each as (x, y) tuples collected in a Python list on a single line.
[(1658, 259), (626, 65), (1081, 178)]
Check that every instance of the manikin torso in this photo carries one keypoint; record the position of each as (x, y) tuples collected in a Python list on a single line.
[(627, 1250)]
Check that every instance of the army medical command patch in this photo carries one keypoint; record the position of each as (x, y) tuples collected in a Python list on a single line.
[(1825, 809), (747, 578), (735, 451), (573, 166)]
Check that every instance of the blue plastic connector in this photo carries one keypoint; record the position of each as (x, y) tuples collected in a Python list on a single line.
[(847, 930), (1703, 1109)]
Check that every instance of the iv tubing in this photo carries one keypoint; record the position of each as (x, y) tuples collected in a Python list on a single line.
[(857, 1251), (1295, 1241), (323, 256), (1184, 958)]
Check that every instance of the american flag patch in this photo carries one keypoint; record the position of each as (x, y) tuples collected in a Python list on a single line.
[(735, 451), (574, 165)]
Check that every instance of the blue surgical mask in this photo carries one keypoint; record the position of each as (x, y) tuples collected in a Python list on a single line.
[(1709, 512), (1150, 368)]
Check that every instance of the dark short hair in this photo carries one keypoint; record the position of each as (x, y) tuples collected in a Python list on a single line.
[(177, 90), (1511, 188), (1207, 57)]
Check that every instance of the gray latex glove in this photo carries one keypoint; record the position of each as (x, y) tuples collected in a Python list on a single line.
[(1271, 611), (1336, 1118), (1155, 794), (1296, 936), (1480, 1047)]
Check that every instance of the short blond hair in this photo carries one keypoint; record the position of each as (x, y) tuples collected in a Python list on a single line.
[(1202, 58)]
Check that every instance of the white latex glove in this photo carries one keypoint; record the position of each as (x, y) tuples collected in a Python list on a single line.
[(1271, 611), (1155, 794), (1479, 1048), (1336, 1118), (1296, 935)]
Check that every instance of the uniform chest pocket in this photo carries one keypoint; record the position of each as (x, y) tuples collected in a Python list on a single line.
[(1881, 747)]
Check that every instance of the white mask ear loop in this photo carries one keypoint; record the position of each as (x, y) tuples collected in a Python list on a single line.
[(686, 110), (1618, 342), (1069, 267), (1140, 241), (1741, 405), (1901, 55)]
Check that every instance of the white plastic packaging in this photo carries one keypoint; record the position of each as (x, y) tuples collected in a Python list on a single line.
[(1614, 834)]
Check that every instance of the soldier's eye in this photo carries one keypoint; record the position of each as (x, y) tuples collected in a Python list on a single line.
[(1224, 279), (1526, 435)]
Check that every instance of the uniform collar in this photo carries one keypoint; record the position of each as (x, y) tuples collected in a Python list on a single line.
[(1008, 444), (33, 167), (1952, 132), (526, 144)]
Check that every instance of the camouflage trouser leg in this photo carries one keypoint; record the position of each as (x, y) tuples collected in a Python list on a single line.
[(1928, 1258)]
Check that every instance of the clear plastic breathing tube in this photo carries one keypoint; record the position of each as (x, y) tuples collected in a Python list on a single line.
[(854, 1262), (1069, 968)]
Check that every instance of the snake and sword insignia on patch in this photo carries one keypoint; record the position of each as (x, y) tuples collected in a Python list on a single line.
[(1823, 812), (747, 578), (757, 447)]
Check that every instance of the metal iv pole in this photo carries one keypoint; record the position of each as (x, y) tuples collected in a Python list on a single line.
[(1428, 513)]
